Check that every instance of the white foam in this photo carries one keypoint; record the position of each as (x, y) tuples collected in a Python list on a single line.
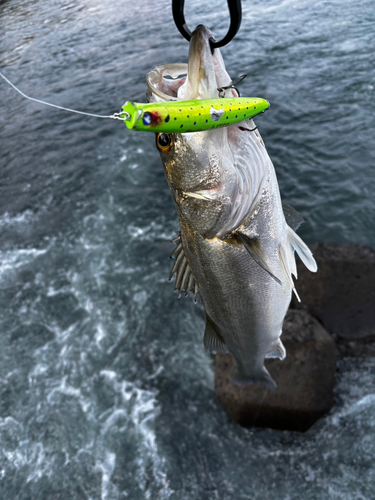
[(68, 390), (107, 466), (140, 298), (355, 407), (38, 370), (14, 259), (151, 231), (100, 334), (134, 412), (23, 218)]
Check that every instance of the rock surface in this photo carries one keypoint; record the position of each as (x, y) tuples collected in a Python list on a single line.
[(305, 380), (342, 293)]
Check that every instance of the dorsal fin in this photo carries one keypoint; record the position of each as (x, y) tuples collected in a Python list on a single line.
[(292, 217), (185, 281)]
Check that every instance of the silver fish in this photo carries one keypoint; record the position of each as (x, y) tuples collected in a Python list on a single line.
[(237, 240)]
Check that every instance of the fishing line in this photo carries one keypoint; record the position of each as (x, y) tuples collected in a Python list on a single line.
[(115, 116), (176, 116)]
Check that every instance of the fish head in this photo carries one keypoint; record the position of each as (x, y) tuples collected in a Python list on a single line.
[(192, 166), (205, 172)]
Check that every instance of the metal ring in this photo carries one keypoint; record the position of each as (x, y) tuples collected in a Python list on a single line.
[(235, 12)]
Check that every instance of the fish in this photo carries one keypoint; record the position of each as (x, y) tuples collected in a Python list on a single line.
[(237, 241)]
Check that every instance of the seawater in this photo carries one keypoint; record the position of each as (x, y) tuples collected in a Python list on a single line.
[(105, 390)]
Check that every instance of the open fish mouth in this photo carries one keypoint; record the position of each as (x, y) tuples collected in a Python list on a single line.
[(164, 81), (200, 79)]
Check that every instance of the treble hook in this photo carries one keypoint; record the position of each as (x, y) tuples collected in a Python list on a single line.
[(231, 86), (235, 12)]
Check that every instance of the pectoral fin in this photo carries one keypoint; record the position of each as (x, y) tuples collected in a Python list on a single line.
[(252, 245), (213, 341), (185, 281)]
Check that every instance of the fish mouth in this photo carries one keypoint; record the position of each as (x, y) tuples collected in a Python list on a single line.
[(164, 81), (199, 79)]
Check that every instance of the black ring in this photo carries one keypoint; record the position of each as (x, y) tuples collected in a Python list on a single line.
[(235, 12)]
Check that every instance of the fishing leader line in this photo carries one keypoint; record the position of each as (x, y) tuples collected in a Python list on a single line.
[(115, 116), (196, 115)]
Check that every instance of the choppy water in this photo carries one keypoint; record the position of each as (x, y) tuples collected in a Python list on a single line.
[(105, 391)]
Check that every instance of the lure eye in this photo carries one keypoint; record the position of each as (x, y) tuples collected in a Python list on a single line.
[(147, 119), (164, 142)]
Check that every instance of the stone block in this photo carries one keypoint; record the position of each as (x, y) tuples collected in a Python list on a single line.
[(305, 380), (342, 293)]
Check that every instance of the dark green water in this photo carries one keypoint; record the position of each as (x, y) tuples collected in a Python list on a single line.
[(105, 390)]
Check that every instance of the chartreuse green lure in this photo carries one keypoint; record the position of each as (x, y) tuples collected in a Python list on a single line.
[(191, 116), (177, 116)]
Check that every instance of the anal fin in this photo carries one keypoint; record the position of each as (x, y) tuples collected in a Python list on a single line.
[(278, 352)]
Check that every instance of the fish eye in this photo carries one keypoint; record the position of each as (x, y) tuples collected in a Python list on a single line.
[(164, 142)]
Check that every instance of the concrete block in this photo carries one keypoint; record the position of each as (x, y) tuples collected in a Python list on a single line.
[(342, 293)]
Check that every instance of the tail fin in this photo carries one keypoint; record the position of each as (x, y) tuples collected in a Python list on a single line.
[(261, 377)]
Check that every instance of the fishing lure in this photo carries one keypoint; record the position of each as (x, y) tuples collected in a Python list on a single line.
[(177, 116), (191, 116)]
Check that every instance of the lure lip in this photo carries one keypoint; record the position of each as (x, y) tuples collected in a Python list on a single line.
[(191, 116)]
